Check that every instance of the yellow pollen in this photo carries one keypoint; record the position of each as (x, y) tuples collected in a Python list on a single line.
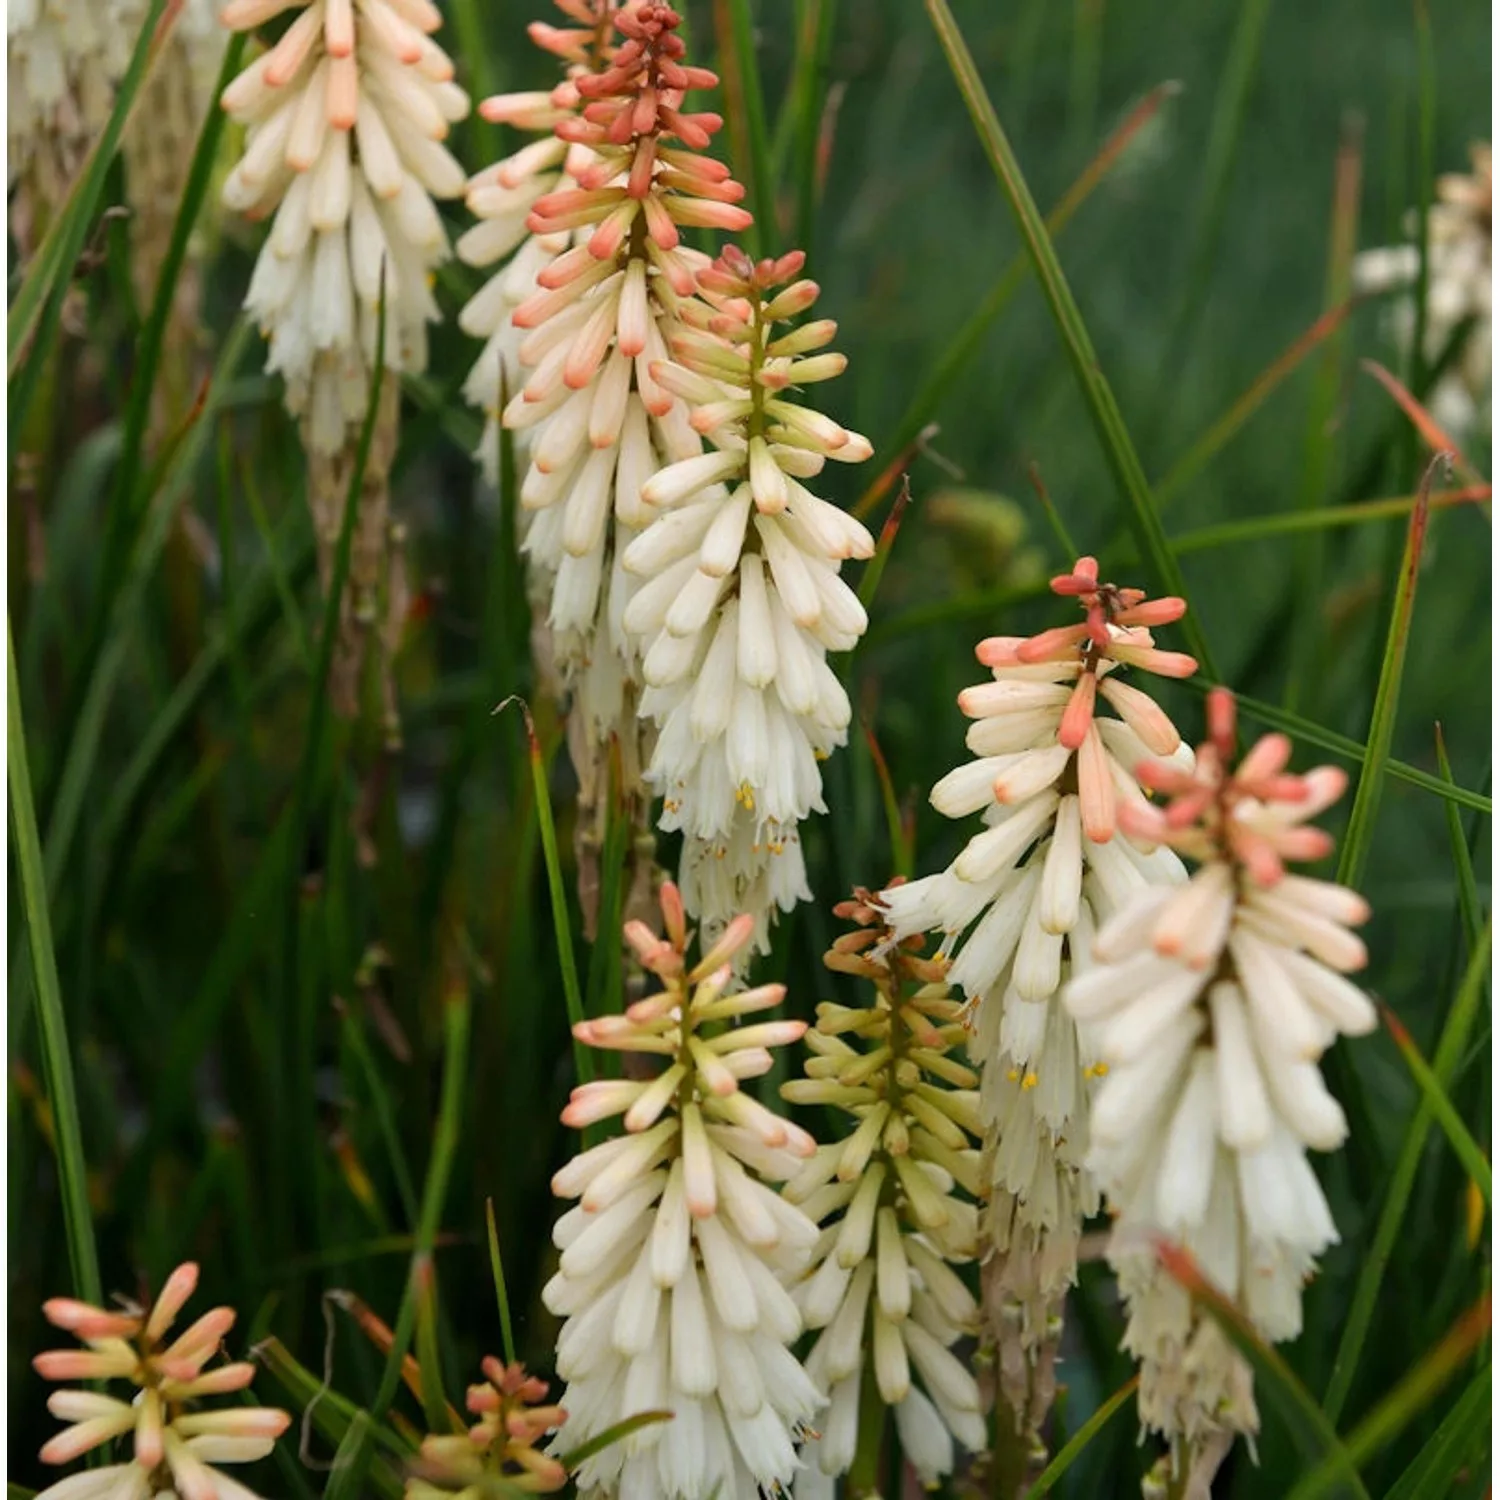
[(1013, 1074), (1029, 1081), (1097, 1070), (745, 797)]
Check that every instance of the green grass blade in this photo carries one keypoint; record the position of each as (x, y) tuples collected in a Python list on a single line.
[(887, 540), (1451, 1046), (430, 1362), (1463, 861), (1465, 1147), (497, 1274), (351, 1460), (1412, 1395), (1306, 602), (562, 926), (1328, 517), (1361, 830), (1464, 1431), (1311, 1428), (804, 109), (1114, 438), (126, 506), (83, 744), (1220, 432), (57, 1063), (983, 604), (36, 309), (456, 1018), (1231, 103), (613, 1434), (1326, 739), (749, 142), (1072, 1450), (965, 343)]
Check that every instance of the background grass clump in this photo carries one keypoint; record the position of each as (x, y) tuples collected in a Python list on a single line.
[(310, 984)]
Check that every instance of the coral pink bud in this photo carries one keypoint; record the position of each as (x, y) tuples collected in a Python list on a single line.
[(1268, 756), (1155, 612), (674, 913), (1052, 645), (1078, 717), (1221, 715), (179, 1286)]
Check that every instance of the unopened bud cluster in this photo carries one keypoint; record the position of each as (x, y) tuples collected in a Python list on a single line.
[(896, 1201)]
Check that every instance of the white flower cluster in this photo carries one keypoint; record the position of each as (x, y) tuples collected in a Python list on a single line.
[(501, 197), (64, 59), (1020, 905), (740, 598), (347, 114), (1459, 254), (1210, 1004), (599, 423), (677, 1259)]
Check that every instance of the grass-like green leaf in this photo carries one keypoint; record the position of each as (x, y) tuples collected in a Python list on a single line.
[(1305, 603), (1114, 438), (1326, 518), (1463, 1432), (1311, 1428), (1361, 830), (1225, 131), (126, 508), (562, 925), (1410, 1397), (1465, 1147), (1463, 861), (874, 569), (746, 111), (1225, 428), (497, 1275), (351, 1460), (965, 344), (1073, 1449), (1451, 1046), (612, 1434), (36, 309), (457, 1006), (57, 1059), (104, 676)]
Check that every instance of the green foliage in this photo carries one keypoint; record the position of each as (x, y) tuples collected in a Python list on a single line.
[(296, 1006)]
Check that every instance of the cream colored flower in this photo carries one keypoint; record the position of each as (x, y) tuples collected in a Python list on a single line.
[(676, 1260), (177, 1441), (1210, 1004), (347, 115)]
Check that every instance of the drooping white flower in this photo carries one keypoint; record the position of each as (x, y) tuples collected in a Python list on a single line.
[(1018, 909), (677, 1259), (347, 115), (1459, 253), (171, 1430), (501, 198), (896, 1200), (739, 598), (1210, 1003), (64, 59)]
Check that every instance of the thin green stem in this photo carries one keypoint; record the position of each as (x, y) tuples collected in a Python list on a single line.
[(57, 1064)]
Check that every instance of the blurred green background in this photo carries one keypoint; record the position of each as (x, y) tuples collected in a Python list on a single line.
[(259, 1056)]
